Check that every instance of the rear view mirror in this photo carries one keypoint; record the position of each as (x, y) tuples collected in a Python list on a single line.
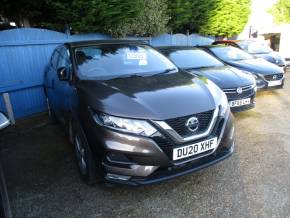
[(63, 74), (4, 122)]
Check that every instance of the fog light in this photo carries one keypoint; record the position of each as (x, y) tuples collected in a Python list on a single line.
[(117, 158), (117, 177)]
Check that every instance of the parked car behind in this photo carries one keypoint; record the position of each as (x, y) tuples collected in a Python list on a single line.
[(267, 75), (239, 87), (134, 117), (257, 49)]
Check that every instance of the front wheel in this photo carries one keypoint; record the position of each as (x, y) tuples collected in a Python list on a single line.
[(84, 157)]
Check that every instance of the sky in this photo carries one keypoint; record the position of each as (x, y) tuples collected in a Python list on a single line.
[(259, 16)]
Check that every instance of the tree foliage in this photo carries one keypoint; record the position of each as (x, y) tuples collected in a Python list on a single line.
[(94, 15), (152, 20), (17, 10), (134, 17), (227, 18), (115, 17), (181, 14), (210, 17), (281, 11)]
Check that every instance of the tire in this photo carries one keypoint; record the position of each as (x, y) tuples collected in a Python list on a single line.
[(85, 159)]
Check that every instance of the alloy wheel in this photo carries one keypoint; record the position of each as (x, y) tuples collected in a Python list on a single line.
[(80, 154)]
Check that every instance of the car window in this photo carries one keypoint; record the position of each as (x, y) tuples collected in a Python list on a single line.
[(55, 58), (110, 61), (194, 58), (255, 47), (64, 60), (230, 53)]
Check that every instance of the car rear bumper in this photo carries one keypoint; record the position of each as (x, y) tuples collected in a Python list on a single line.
[(137, 161)]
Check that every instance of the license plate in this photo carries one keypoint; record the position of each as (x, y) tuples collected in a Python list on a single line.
[(240, 102), (275, 83), (194, 149)]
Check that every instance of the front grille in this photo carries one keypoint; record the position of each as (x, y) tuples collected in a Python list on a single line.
[(167, 144), (178, 124), (274, 77), (232, 93)]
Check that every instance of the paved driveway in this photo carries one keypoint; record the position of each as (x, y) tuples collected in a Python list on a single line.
[(254, 182)]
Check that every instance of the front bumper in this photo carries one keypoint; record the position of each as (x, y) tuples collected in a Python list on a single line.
[(248, 92), (133, 160), (244, 107), (265, 84)]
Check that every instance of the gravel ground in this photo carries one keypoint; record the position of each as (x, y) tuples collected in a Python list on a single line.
[(43, 180)]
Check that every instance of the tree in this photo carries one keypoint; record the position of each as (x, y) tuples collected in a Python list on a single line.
[(281, 11), (152, 20), (22, 10), (115, 17), (133, 17), (210, 17), (227, 18), (181, 14), (94, 15)]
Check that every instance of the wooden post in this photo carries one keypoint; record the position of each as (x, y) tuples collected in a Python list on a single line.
[(9, 108)]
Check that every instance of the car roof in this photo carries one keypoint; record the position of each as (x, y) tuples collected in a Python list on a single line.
[(176, 47), (234, 41), (102, 42), (212, 46), (221, 41)]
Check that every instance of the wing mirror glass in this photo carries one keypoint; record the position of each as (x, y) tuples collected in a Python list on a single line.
[(63, 73), (4, 122)]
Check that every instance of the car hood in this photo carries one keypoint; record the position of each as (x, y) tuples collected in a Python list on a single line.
[(272, 57), (156, 97), (258, 65), (226, 77)]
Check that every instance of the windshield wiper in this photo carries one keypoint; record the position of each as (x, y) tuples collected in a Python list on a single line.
[(166, 71), (125, 76), (196, 68), (142, 74), (189, 68)]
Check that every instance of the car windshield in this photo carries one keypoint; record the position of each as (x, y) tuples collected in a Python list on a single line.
[(230, 53), (254, 47), (193, 58), (109, 61)]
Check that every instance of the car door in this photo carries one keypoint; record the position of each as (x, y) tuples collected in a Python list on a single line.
[(63, 88), (49, 79)]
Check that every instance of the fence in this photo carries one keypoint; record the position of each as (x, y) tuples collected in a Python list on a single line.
[(24, 54)]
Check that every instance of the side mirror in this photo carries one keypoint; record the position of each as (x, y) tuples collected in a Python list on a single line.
[(63, 74), (4, 122)]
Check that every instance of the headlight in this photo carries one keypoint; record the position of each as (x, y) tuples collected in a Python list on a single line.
[(255, 88), (259, 78), (139, 127), (224, 105)]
